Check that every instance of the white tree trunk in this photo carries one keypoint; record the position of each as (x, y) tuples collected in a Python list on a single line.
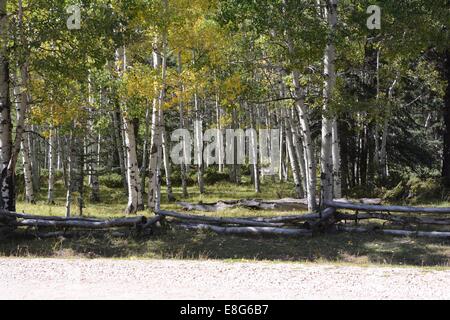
[(52, 158), (93, 153), (119, 144), (327, 122), (134, 187), (293, 157), (298, 145), (183, 166), (336, 150), (154, 192), (305, 124), (5, 110), (308, 146), (29, 192), (167, 166), (198, 150), (70, 166)]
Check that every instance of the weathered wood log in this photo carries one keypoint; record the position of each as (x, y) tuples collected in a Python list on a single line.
[(247, 230), (408, 233), (372, 201), (16, 215), (287, 219), (256, 204), (218, 220), (393, 218), (106, 224), (377, 208), (286, 204), (206, 207)]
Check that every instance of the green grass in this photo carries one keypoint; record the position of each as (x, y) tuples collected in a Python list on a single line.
[(359, 249)]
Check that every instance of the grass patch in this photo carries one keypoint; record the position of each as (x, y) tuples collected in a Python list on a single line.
[(358, 249)]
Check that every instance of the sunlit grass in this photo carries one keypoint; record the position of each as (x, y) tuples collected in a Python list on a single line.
[(356, 249)]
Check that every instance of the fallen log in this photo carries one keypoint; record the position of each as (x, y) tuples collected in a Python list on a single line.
[(206, 207), (287, 219), (256, 204), (106, 224), (407, 233), (247, 230), (393, 218), (218, 220), (16, 215), (372, 201), (378, 208), (286, 204)]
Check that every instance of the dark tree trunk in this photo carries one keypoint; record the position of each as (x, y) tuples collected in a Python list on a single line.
[(345, 174), (446, 153)]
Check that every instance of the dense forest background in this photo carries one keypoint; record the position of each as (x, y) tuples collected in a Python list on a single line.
[(362, 111)]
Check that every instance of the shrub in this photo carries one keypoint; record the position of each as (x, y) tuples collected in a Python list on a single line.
[(423, 190), (111, 180), (398, 193), (415, 189)]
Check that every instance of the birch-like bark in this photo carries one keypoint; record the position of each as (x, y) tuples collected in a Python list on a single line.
[(69, 170), (184, 165), (52, 163), (35, 164), (305, 125), (119, 145), (220, 155), (254, 150), (92, 153), (292, 157), (336, 151), (298, 146), (308, 145), (134, 188), (167, 166), (6, 199), (327, 122), (134, 193), (29, 192), (198, 150), (159, 63)]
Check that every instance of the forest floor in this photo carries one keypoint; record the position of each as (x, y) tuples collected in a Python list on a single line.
[(354, 249)]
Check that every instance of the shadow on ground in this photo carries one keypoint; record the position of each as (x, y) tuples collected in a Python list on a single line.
[(338, 248)]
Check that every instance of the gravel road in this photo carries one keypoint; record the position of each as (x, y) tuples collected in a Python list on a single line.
[(171, 279)]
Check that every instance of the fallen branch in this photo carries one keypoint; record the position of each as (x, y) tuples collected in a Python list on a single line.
[(281, 204), (372, 201), (16, 215), (377, 208), (247, 230), (287, 219), (122, 222), (427, 234), (238, 221), (285, 204), (393, 218)]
